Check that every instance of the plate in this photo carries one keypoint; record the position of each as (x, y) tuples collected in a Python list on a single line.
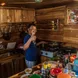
[(28, 70), (36, 72), (25, 76)]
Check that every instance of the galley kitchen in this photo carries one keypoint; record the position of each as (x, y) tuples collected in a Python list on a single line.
[(38, 38)]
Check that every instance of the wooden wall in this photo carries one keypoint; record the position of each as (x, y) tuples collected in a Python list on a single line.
[(44, 18), (66, 33), (50, 13), (70, 36), (46, 32), (15, 32)]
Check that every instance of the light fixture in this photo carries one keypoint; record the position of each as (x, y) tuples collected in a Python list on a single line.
[(38, 1), (2, 4)]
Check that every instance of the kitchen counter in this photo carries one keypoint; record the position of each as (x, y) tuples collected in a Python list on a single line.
[(37, 67), (2, 51), (18, 75), (12, 64)]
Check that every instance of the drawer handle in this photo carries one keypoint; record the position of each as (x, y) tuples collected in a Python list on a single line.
[(41, 52), (46, 53)]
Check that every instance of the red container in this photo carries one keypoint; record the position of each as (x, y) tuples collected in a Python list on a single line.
[(55, 71)]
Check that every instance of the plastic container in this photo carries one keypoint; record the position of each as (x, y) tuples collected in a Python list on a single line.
[(35, 76), (75, 66)]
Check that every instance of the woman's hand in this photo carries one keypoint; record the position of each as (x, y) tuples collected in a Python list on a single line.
[(33, 38), (42, 42)]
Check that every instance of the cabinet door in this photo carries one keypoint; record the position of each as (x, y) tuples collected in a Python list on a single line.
[(18, 15), (25, 15), (6, 69), (10, 66), (11, 15), (0, 15), (19, 64), (31, 15), (16, 65), (3, 15), (22, 64), (6, 16)]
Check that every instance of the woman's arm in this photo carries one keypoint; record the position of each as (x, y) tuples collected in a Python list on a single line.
[(27, 44), (41, 42)]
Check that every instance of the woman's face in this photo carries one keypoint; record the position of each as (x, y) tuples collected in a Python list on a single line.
[(32, 30)]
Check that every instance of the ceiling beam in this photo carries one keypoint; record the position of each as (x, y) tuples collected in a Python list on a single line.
[(33, 2)]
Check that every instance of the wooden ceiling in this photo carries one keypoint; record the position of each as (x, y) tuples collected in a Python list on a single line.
[(33, 4)]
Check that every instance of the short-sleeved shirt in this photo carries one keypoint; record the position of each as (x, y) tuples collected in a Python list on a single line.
[(31, 52)]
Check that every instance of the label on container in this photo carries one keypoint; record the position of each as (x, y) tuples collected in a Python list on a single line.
[(65, 70)]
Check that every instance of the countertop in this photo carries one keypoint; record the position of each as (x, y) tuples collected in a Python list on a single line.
[(18, 75)]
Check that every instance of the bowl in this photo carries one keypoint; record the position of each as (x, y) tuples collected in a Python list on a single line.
[(55, 71), (25, 76), (35, 76), (28, 70)]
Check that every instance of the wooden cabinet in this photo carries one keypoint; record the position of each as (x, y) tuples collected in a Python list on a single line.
[(6, 68), (11, 65), (6, 15), (14, 15), (18, 15), (31, 15), (24, 15), (28, 15), (3, 15), (19, 64)]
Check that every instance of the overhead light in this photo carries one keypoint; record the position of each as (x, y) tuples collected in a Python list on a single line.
[(38, 0), (2, 4)]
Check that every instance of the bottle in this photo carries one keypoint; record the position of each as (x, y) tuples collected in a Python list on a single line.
[(43, 72), (66, 69), (75, 66)]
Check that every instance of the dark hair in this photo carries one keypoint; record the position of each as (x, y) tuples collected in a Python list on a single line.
[(31, 24)]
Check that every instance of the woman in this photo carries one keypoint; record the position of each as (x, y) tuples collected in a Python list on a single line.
[(30, 46)]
